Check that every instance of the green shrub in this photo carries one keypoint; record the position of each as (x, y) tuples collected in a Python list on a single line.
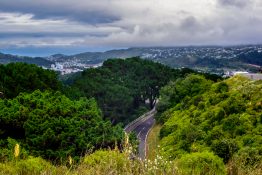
[(249, 156), (201, 163), (33, 165), (8, 169), (224, 148), (29, 166)]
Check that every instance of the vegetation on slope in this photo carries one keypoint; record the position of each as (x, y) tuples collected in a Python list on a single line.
[(153, 142), (224, 118)]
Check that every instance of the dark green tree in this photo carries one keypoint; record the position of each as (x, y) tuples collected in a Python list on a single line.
[(22, 77)]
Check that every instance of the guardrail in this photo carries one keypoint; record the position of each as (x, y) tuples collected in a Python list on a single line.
[(131, 126)]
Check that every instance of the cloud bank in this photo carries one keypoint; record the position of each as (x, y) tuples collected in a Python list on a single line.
[(128, 23)]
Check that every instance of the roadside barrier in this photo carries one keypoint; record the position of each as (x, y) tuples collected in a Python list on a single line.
[(131, 126)]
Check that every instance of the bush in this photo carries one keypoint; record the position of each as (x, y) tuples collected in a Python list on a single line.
[(29, 166), (249, 156), (224, 148), (201, 163)]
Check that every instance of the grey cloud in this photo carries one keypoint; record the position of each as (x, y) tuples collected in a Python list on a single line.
[(189, 23), (71, 10), (234, 3), (125, 23), (46, 34)]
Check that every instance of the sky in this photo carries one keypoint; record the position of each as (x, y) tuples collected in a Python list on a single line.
[(44, 27)]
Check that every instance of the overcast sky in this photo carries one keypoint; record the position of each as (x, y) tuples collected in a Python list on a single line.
[(71, 26)]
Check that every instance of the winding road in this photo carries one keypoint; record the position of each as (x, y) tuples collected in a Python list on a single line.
[(141, 127)]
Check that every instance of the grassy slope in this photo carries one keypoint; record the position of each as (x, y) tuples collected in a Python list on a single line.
[(153, 142)]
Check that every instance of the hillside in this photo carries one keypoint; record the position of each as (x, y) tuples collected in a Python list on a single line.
[(7, 58), (214, 59), (222, 118)]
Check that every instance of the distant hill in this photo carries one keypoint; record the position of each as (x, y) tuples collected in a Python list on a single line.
[(215, 59), (7, 58), (211, 59), (96, 57)]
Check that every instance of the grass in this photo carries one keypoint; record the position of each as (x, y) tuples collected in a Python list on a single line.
[(116, 162), (153, 142)]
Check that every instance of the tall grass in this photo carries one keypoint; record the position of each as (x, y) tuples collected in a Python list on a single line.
[(116, 162)]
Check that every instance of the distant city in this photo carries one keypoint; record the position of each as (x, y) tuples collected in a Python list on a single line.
[(213, 59)]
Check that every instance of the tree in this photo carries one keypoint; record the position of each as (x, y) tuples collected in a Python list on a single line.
[(20, 77)]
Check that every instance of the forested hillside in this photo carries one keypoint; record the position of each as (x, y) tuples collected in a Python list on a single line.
[(223, 118)]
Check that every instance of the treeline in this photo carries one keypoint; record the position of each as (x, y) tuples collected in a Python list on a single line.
[(205, 117)]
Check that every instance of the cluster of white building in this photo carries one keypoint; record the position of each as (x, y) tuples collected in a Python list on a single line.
[(65, 69)]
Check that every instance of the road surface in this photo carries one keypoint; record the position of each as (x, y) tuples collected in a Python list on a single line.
[(141, 127)]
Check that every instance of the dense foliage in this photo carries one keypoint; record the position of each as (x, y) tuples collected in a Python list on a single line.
[(122, 87), (21, 77), (47, 123), (224, 118), (52, 126)]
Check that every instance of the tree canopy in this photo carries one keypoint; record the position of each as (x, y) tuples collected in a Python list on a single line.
[(22, 77), (50, 125)]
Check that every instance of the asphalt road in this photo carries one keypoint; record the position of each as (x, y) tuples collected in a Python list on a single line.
[(142, 131)]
